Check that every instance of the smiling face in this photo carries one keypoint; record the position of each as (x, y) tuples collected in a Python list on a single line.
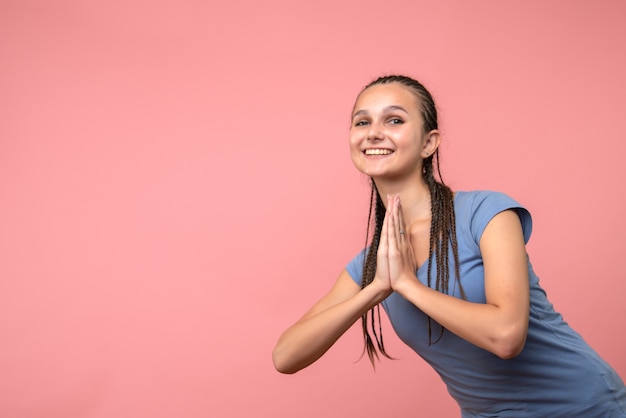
[(387, 138)]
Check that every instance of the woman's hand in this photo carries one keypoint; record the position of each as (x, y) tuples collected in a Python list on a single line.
[(396, 261), (382, 277), (402, 264)]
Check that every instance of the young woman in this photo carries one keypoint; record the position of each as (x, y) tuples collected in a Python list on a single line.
[(451, 271)]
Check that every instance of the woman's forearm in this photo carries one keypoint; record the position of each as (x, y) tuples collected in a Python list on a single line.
[(309, 338), (496, 329)]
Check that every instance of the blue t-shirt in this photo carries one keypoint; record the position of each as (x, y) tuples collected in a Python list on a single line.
[(557, 374)]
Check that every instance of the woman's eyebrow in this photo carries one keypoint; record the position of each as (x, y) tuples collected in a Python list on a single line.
[(385, 110), (396, 107), (360, 112)]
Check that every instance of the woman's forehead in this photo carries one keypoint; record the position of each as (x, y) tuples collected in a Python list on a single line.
[(387, 95)]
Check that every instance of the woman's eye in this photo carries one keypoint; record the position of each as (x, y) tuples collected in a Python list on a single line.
[(360, 123), (396, 121)]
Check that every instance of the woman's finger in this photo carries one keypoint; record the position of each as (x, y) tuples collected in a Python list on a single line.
[(401, 223), (392, 234), (384, 242), (398, 224), (408, 248)]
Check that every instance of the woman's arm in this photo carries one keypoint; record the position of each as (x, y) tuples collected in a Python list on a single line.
[(499, 325), (313, 334)]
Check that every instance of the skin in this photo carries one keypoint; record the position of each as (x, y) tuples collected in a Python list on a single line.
[(388, 117)]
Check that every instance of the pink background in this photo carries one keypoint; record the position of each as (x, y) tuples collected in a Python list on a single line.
[(176, 189)]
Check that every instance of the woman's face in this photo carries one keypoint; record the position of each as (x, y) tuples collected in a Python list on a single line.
[(386, 135)]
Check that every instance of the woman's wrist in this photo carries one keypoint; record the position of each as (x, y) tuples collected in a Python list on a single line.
[(379, 290), (405, 285)]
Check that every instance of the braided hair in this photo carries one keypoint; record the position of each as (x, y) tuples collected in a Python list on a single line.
[(442, 228)]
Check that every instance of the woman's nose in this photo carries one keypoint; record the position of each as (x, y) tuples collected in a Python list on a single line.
[(374, 133)]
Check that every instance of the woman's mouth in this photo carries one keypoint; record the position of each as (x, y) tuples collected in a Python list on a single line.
[(378, 151)]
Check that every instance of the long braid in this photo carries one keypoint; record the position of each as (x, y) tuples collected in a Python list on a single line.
[(369, 271), (442, 235), (442, 229)]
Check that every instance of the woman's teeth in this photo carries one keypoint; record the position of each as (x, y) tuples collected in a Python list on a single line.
[(378, 151)]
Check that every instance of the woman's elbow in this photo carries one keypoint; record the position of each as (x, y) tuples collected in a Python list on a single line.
[(511, 343), (284, 369), (509, 352), (281, 363)]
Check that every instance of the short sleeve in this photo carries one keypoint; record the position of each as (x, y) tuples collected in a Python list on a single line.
[(355, 267), (487, 204)]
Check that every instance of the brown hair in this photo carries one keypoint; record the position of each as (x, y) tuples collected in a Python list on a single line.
[(442, 227)]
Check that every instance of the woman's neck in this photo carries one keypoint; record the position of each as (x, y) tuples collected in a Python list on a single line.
[(414, 197)]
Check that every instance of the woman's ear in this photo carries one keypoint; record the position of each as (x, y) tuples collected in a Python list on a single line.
[(431, 143)]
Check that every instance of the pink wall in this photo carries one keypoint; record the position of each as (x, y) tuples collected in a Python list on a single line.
[(176, 189)]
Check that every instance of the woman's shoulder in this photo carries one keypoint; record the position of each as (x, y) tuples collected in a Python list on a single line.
[(480, 196), (478, 207)]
